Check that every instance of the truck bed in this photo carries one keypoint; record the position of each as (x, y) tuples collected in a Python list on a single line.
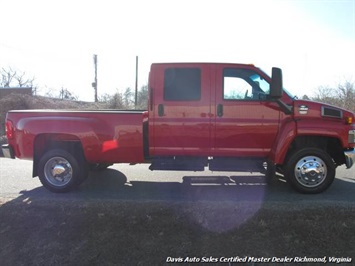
[(110, 136)]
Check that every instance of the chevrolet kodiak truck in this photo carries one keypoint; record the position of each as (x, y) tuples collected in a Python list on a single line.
[(227, 117)]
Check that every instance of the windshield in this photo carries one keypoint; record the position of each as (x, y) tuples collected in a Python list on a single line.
[(261, 83), (294, 97)]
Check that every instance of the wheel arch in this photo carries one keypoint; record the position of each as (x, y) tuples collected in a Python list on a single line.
[(330, 145), (46, 142)]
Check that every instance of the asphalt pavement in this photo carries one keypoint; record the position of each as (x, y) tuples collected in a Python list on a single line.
[(138, 183)]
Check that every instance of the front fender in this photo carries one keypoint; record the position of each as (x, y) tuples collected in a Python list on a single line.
[(315, 130), (283, 141), (324, 128)]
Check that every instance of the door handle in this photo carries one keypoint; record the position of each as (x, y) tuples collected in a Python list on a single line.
[(220, 110), (161, 110)]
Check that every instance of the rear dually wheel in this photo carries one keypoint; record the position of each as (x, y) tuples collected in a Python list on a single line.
[(60, 171)]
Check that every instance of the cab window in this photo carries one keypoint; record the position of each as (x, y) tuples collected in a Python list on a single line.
[(244, 84), (182, 84)]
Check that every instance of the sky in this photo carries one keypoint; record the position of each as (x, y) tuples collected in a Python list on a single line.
[(313, 41)]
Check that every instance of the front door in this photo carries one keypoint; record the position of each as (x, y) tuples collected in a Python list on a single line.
[(246, 121)]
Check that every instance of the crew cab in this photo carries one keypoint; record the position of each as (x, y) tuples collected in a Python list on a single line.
[(224, 117)]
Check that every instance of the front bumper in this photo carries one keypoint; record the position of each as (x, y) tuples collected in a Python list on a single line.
[(8, 151), (349, 158)]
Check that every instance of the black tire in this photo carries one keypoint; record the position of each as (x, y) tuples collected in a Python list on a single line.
[(310, 170), (59, 171)]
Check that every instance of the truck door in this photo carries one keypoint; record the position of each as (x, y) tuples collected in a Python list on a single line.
[(246, 121), (180, 116)]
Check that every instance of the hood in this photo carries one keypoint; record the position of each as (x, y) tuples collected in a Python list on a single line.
[(310, 109)]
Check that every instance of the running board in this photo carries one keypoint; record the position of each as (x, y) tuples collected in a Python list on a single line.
[(237, 165), (215, 164), (179, 164)]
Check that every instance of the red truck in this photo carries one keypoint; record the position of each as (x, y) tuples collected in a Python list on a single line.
[(227, 117)]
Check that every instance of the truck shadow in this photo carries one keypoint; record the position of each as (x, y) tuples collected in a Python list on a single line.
[(112, 184)]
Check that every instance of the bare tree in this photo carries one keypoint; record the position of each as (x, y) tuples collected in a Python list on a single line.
[(116, 101), (142, 98), (15, 78), (23, 81), (346, 94), (105, 98), (125, 100), (65, 94), (343, 95), (7, 77), (128, 98)]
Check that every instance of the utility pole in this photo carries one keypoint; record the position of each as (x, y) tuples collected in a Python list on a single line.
[(94, 84), (136, 90)]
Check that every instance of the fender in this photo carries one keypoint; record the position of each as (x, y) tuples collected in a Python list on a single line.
[(61, 128), (334, 129), (286, 135), (307, 127)]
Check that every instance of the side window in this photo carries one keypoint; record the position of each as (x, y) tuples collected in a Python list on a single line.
[(236, 88), (244, 84), (182, 84)]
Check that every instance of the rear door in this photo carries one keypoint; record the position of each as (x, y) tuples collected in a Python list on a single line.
[(180, 110)]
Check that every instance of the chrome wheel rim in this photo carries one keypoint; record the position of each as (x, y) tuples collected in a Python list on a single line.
[(58, 171), (310, 171)]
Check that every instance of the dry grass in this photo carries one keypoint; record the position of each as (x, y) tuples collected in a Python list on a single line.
[(146, 233), (25, 102)]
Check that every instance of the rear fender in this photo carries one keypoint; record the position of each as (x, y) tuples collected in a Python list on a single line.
[(35, 133), (47, 142)]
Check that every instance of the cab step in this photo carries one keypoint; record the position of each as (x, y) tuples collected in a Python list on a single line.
[(179, 164), (237, 164)]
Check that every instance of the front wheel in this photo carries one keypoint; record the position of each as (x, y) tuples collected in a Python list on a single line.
[(310, 170), (60, 171)]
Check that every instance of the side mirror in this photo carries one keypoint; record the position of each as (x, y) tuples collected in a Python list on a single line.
[(276, 83), (276, 90)]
